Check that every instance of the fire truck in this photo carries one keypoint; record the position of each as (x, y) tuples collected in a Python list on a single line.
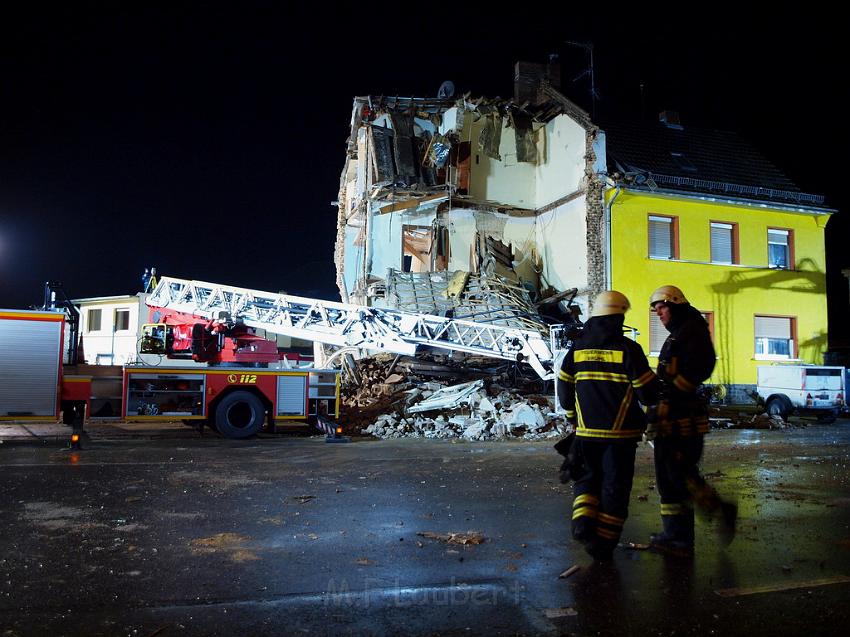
[(245, 383), (33, 385)]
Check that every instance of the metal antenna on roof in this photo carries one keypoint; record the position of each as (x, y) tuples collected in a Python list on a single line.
[(587, 46)]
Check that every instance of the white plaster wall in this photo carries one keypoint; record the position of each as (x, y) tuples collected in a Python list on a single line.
[(600, 166), (561, 237), (353, 258), (107, 345), (507, 181), (563, 171), (461, 225), (386, 238), (520, 232)]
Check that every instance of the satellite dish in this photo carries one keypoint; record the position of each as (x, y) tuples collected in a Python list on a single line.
[(447, 90)]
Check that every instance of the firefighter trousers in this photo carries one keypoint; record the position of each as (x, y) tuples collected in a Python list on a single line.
[(680, 485), (601, 495)]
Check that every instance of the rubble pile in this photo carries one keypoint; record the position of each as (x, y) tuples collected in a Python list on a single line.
[(730, 419), (390, 401)]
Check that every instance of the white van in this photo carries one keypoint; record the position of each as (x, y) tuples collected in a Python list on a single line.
[(814, 389)]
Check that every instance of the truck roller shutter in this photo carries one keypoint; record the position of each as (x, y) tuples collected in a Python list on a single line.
[(30, 352), (292, 395)]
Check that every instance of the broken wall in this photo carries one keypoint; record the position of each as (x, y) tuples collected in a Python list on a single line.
[(564, 169), (561, 235), (519, 203), (386, 236), (352, 258), (505, 180)]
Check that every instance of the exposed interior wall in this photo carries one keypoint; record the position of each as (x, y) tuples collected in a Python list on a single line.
[(353, 259), (466, 225), (386, 236), (563, 248), (561, 169), (507, 181), (559, 174)]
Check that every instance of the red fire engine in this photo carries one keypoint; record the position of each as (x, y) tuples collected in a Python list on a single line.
[(246, 382), (33, 381)]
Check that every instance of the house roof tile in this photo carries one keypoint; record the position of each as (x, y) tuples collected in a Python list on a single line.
[(698, 160)]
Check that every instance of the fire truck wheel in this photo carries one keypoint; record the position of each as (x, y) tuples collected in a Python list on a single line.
[(239, 415)]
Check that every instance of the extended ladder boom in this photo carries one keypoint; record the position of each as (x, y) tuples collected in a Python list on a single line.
[(352, 325)]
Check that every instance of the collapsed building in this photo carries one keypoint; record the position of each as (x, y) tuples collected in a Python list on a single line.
[(499, 188), (477, 209)]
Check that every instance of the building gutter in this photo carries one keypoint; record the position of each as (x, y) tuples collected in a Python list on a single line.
[(749, 203), (607, 221)]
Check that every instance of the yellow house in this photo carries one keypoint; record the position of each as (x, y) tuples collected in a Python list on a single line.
[(702, 210)]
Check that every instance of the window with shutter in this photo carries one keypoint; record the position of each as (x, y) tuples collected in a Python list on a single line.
[(722, 243), (774, 337), (657, 333), (662, 237)]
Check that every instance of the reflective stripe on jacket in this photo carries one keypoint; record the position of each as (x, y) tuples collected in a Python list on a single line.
[(686, 361), (601, 381)]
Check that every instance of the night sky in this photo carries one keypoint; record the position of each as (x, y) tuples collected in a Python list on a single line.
[(207, 139)]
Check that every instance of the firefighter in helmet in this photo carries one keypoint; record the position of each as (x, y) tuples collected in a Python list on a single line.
[(602, 379), (680, 421)]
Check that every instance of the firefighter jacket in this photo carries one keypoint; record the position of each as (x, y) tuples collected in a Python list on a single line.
[(601, 380), (686, 360)]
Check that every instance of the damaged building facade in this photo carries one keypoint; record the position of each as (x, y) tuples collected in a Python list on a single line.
[(496, 209), (501, 188)]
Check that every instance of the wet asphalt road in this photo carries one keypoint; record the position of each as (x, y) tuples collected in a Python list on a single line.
[(294, 536)]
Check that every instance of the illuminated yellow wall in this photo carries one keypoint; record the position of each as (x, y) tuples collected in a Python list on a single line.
[(734, 293)]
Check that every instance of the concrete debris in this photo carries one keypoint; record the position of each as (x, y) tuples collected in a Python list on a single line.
[(469, 413), (729, 419), (417, 398), (455, 538), (451, 397), (570, 571)]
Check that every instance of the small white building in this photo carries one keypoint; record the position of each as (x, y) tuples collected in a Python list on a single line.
[(110, 327)]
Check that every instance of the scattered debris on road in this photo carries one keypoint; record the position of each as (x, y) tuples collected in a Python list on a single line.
[(464, 539), (575, 568)]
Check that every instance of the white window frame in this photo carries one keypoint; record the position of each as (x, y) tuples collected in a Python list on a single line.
[(761, 343), (121, 310), (89, 313), (671, 223), (787, 245), (730, 227)]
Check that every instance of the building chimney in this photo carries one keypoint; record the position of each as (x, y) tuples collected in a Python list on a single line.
[(670, 119), (528, 77)]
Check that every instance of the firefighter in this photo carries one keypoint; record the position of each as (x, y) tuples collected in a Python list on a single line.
[(602, 379), (680, 421)]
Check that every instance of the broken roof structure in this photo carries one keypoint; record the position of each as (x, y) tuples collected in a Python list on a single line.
[(502, 191)]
